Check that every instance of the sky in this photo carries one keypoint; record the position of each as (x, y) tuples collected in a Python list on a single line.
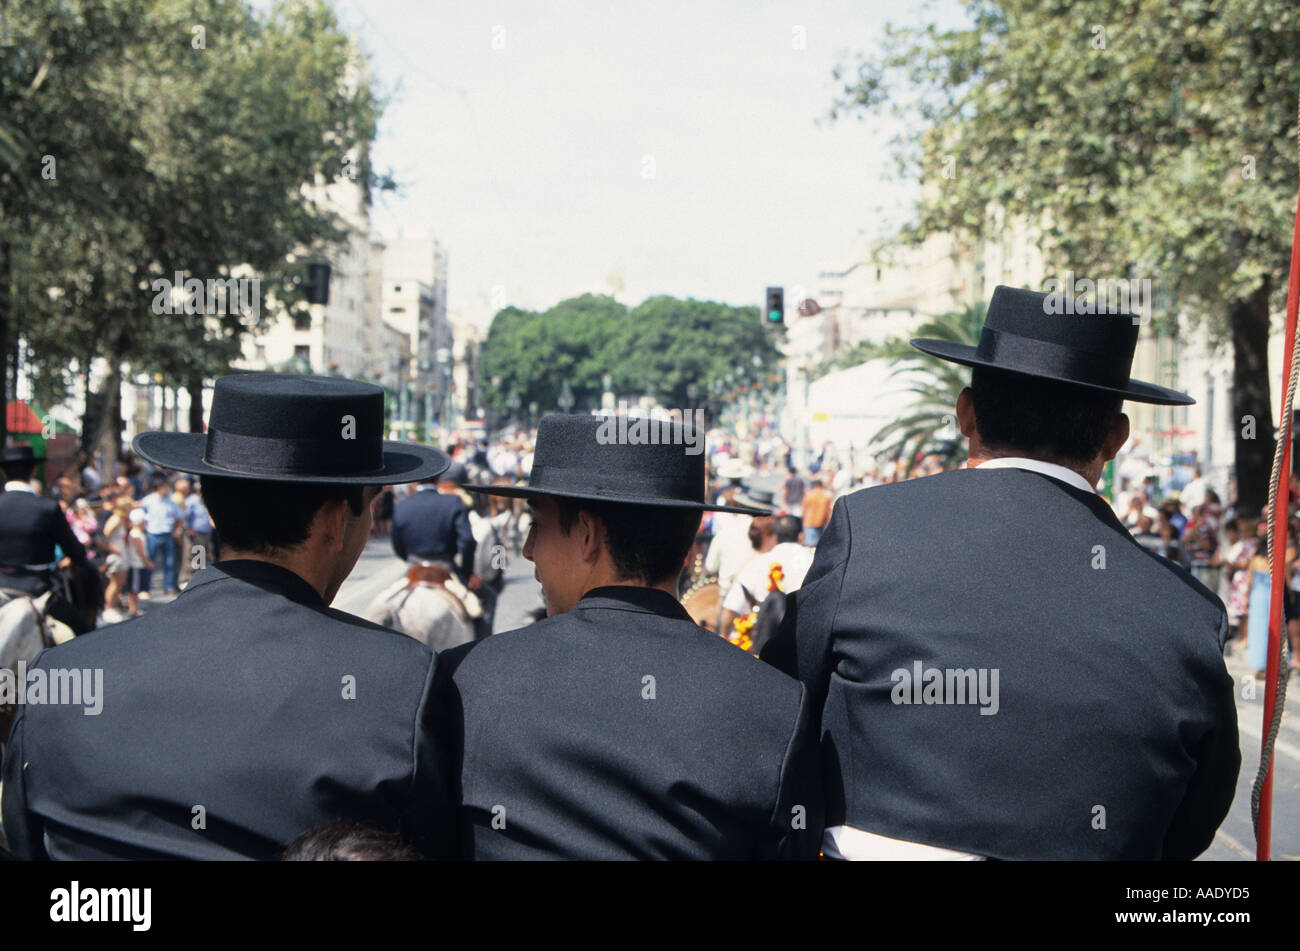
[(559, 147)]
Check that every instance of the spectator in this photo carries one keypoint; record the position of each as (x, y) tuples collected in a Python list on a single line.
[(164, 522), (117, 563), (793, 493), (816, 512), (200, 536), (138, 563)]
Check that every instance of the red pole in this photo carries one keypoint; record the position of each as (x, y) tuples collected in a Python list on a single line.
[(1281, 509)]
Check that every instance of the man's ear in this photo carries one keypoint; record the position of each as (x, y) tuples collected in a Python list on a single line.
[(329, 524), (592, 536), (966, 412), (1116, 438)]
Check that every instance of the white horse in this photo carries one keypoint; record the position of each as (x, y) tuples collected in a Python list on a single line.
[(430, 605), (25, 631)]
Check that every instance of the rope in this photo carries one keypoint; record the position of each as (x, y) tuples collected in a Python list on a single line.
[(1283, 446)]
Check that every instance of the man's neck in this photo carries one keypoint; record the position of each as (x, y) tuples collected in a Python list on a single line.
[(668, 586), (305, 567), (979, 454)]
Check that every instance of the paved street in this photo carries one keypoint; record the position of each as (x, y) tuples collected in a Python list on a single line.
[(1236, 838), (378, 567)]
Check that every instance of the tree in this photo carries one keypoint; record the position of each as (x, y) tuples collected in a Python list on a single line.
[(187, 140), (1149, 140), (663, 346)]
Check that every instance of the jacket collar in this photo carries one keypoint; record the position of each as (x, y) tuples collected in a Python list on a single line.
[(1060, 473), (1088, 497), (633, 598), (261, 574)]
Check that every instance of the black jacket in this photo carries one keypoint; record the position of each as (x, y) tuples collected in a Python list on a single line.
[(30, 527), (428, 524), (1115, 732), (621, 730), (226, 729)]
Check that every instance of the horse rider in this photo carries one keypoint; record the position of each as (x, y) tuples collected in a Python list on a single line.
[(30, 527)]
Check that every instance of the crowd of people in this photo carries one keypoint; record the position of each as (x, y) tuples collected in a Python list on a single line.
[(138, 532)]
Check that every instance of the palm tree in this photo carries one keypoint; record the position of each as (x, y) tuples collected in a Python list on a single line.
[(931, 428)]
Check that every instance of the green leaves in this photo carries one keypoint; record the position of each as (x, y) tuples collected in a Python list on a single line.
[(171, 156), (664, 346)]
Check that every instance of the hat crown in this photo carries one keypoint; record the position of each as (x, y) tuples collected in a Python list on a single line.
[(285, 405), (1078, 324), (606, 456), (263, 423)]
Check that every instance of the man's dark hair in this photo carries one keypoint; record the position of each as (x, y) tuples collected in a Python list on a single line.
[(1041, 418), (345, 841), (263, 516), (786, 528), (646, 542)]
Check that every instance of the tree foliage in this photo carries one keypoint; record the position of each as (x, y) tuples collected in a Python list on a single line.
[(1145, 139), (663, 347), (157, 136)]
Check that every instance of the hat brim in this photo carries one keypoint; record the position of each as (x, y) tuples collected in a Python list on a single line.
[(1137, 391), (183, 452), (523, 492)]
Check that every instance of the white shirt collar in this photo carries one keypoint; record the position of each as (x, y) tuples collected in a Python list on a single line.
[(1068, 476), (17, 486)]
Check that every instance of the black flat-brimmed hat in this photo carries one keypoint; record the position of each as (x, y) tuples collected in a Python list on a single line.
[(280, 427), (1053, 338), (594, 457), (19, 452)]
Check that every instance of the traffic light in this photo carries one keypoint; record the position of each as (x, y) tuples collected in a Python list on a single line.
[(774, 312), (317, 286)]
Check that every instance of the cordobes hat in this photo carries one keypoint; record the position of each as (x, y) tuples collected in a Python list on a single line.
[(20, 453), (1047, 336), (583, 457), (280, 427)]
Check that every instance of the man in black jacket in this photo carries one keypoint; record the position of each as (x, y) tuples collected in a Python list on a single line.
[(1000, 670), (432, 524), (30, 527), (616, 728), (247, 711)]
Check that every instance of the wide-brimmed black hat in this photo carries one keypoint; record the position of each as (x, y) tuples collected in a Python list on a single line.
[(757, 496), (1050, 337), (280, 427), (594, 457), (20, 452)]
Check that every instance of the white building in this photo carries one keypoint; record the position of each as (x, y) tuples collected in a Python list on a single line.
[(414, 302)]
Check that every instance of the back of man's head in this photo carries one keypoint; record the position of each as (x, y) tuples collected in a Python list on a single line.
[(1041, 419), (647, 544), (269, 517), (787, 528)]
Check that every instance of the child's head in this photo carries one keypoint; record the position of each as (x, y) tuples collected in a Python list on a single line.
[(345, 841)]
